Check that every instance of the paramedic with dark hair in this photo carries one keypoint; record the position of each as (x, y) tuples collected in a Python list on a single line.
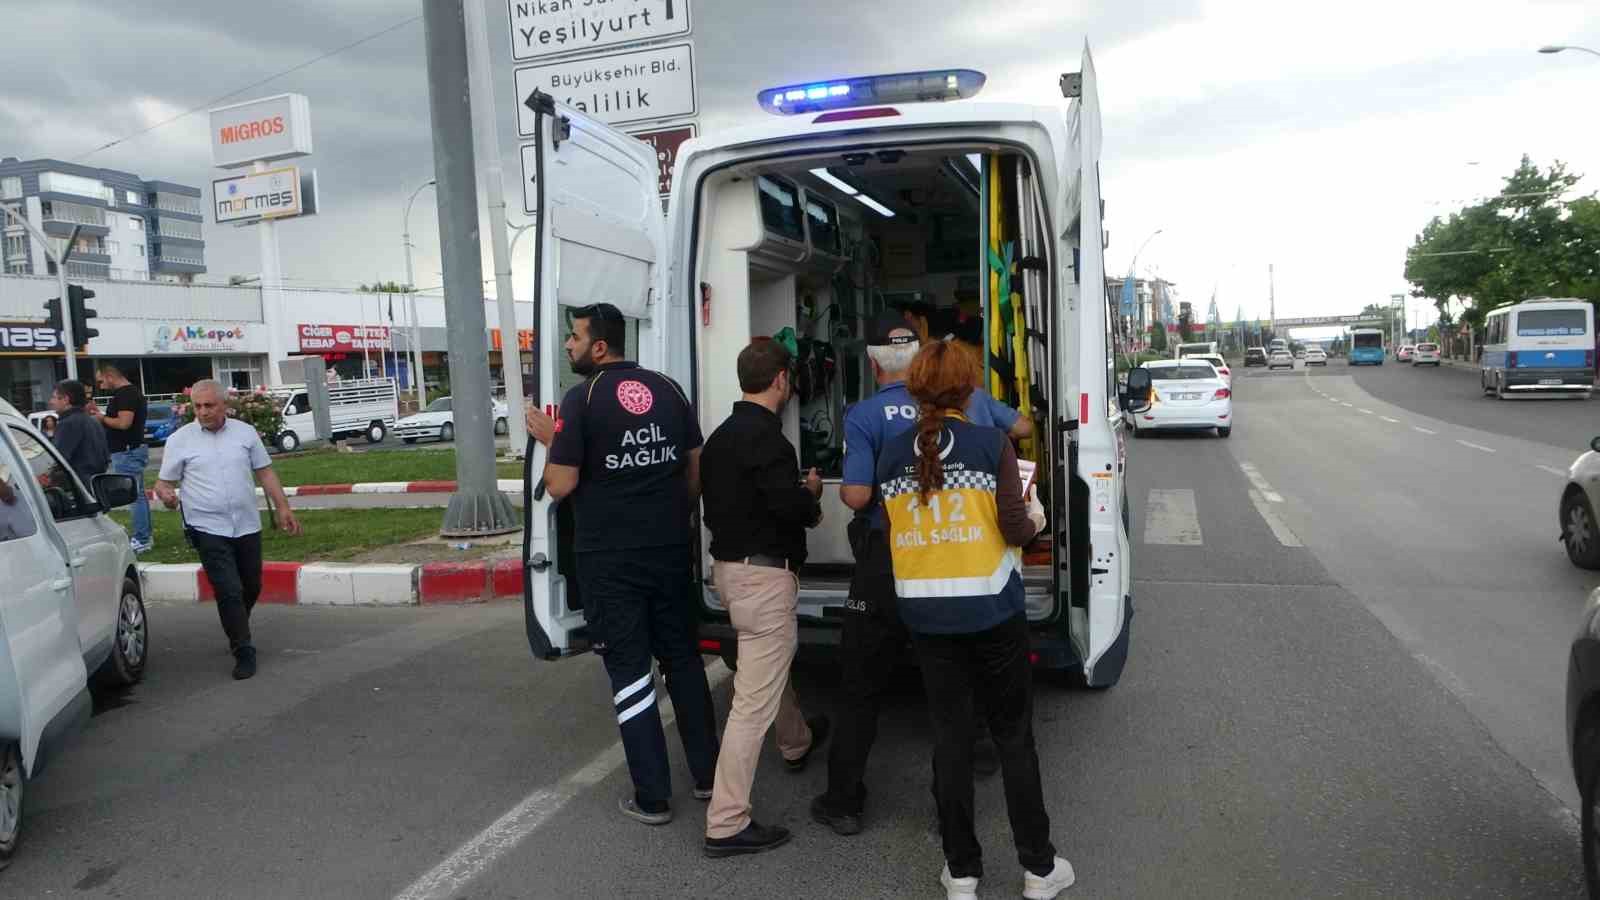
[(626, 455)]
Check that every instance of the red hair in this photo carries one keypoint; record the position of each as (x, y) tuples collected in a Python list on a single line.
[(941, 378)]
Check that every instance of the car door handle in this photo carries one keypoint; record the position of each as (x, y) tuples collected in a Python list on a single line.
[(61, 585), (77, 562)]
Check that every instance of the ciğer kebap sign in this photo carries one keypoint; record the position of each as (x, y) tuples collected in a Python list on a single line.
[(273, 194), (343, 338), (643, 85), (272, 128), (543, 28)]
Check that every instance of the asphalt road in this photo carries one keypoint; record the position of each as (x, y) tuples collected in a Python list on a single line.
[(1367, 715)]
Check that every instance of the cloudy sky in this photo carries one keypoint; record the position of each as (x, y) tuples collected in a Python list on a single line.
[(1315, 137)]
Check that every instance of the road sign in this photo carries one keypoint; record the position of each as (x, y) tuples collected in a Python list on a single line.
[(621, 88), (666, 142), (545, 28)]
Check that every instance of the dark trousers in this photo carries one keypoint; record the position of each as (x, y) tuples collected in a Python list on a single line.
[(639, 606), (991, 666), (234, 567), (872, 645)]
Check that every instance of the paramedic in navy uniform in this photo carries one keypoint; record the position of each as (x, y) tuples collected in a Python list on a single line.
[(626, 454)]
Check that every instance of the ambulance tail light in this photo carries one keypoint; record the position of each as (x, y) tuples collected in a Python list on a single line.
[(872, 90)]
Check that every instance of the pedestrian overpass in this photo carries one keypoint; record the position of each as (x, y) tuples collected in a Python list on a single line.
[(1357, 321)]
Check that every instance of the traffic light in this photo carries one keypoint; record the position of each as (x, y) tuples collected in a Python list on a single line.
[(81, 332), (53, 310)]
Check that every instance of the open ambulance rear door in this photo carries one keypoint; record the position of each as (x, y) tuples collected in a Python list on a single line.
[(601, 236), (1099, 622)]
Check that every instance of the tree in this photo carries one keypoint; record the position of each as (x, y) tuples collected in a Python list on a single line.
[(384, 287), (1158, 337), (1185, 322), (1527, 241)]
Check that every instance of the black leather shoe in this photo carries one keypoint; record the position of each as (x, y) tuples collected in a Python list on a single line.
[(819, 736), (842, 823), (244, 663), (753, 839)]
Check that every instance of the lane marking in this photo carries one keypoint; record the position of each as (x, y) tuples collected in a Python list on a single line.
[(1347, 405), (1260, 481), (477, 855), (1423, 430), (1554, 471), (1389, 420), (1366, 412), (1280, 530), (1172, 519), (1475, 446)]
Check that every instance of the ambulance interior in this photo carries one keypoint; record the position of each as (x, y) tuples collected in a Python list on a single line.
[(810, 251)]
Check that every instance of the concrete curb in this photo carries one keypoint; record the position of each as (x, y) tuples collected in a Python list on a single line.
[(504, 485), (344, 584)]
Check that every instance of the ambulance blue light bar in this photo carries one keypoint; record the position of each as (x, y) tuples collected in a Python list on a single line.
[(872, 90)]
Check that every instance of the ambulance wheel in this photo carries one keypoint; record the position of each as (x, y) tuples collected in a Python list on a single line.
[(376, 432), (447, 432), (11, 785), (288, 442)]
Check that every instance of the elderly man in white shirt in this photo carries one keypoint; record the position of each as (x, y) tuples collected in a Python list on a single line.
[(218, 460)]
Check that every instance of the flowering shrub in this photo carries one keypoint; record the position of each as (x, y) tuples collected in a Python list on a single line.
[(256, 408)]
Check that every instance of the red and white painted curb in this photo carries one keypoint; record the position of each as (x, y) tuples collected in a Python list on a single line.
[(504, 485), (345, 584)]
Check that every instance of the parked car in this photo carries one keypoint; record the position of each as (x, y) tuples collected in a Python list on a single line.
[(71, 612), (1425, 355), (1280, 359), (1403, 354), (1186, 395), (159, 423), (1255, 356), (1221, 365), (1580, 531), (437, 422), (1316, 356), (1583, 733)]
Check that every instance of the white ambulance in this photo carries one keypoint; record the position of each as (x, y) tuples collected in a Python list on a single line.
[(862, 194)]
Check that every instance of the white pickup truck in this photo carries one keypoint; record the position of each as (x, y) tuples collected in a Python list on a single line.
[(368, 406)]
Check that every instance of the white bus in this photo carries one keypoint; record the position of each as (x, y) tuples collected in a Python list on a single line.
[(1540, 346), (798, 222)]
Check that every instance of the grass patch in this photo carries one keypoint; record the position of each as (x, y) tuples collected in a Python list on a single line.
[(333, 467), (330, 535)]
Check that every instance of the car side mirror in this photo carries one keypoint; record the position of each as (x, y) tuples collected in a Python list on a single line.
[(291, 410), (115, 491), (1595, 445), (1138, 392)]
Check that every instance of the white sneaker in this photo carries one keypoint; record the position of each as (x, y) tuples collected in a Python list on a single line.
[(958, 888), (1045, 887), (141, 546)]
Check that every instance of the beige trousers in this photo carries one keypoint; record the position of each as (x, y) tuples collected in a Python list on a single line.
[(761, 603)]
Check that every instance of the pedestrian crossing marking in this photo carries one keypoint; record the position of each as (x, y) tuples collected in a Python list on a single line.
[(1172, 519)]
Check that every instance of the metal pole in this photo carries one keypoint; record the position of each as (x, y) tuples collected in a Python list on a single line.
[(1272, 301), (488, 153), (417, 385), (477, 507), (60, 259)]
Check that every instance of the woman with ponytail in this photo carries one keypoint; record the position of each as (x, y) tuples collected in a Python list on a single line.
[(957, 516)]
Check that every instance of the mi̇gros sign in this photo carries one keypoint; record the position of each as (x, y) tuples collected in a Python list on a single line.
[(265, 130)]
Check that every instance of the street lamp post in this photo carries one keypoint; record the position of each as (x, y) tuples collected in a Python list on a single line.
[(411, 297), (1557, 48), (60, 259), (1132, 270)]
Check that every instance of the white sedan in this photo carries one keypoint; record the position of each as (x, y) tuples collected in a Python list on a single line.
[(1221, 365), (1316, 356), (1186, 395), (437, 422)]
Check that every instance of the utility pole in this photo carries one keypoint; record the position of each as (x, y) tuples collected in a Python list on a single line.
[(488, 153), (477, 508), (418, 390), (60, 259), (1272, 301)]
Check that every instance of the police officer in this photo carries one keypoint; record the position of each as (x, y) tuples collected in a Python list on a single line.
[(627, 454), (873, 637)]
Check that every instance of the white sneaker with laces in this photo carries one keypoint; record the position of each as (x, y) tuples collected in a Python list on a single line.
[(1046, 887), (958, 888)]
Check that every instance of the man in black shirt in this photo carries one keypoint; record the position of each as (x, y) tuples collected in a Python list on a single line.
[(124, 419), (80, 439), (758, 510), (626, 455)]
